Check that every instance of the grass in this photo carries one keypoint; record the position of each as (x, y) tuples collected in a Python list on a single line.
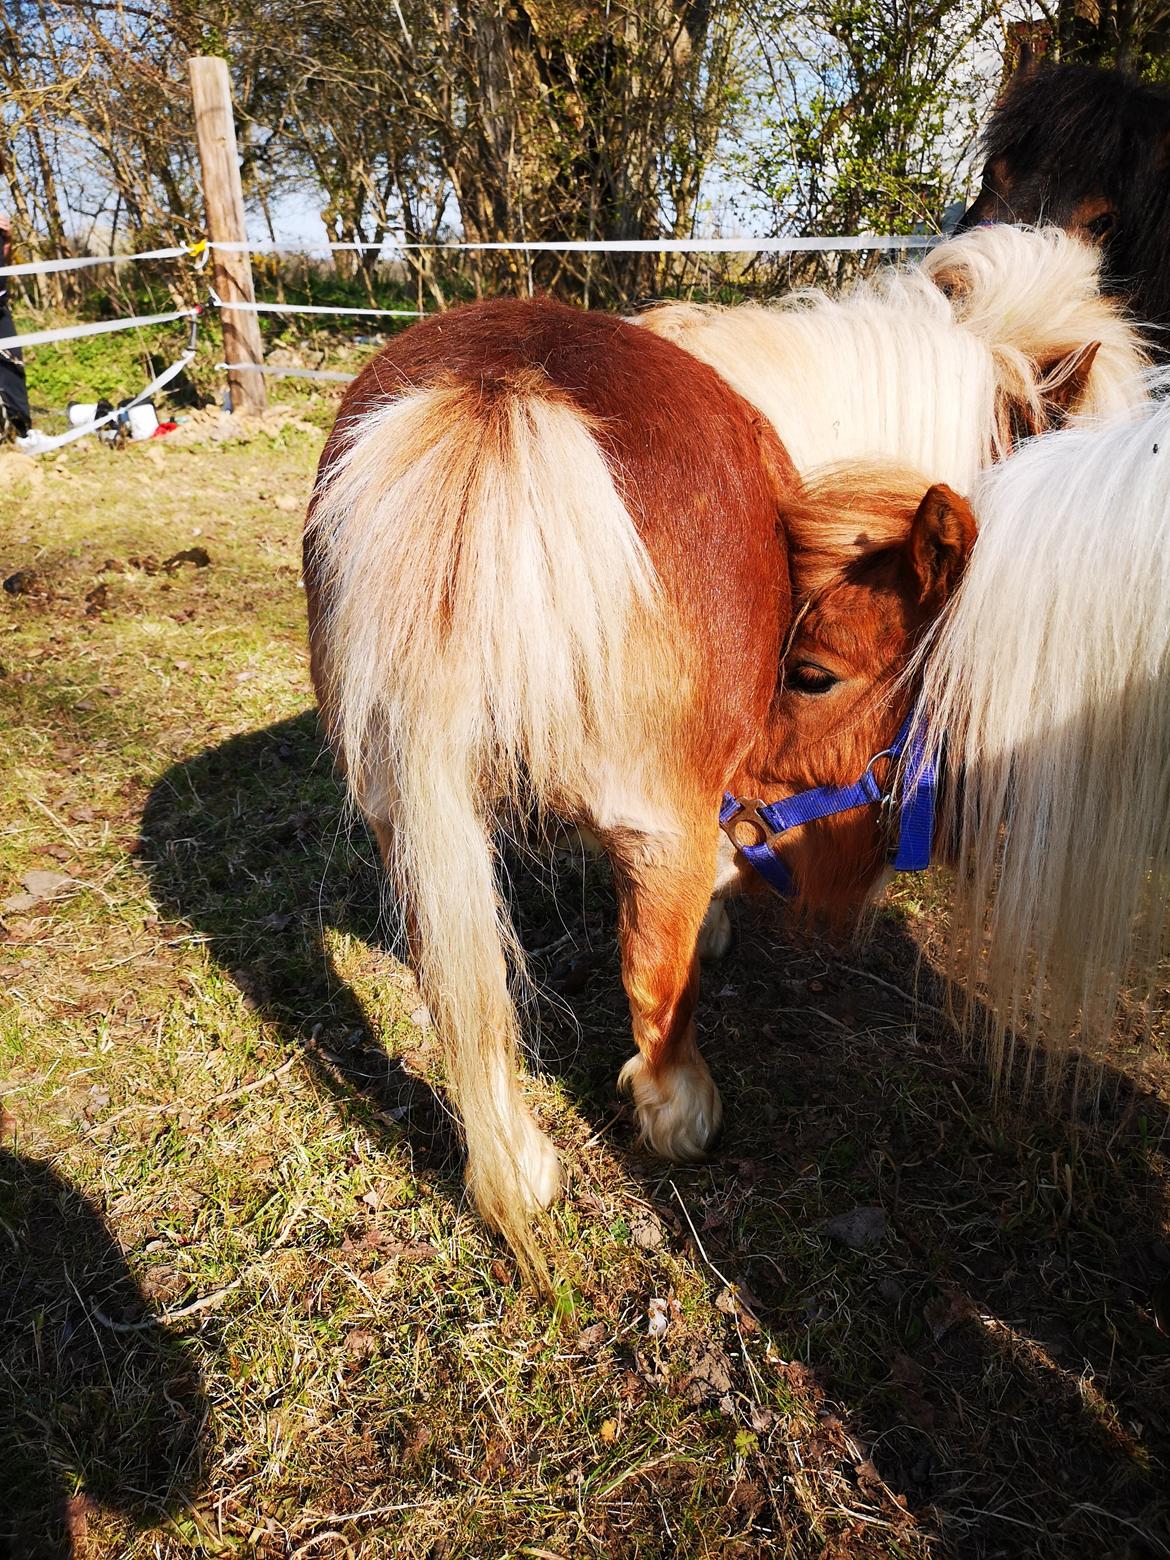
[(245, 1308)]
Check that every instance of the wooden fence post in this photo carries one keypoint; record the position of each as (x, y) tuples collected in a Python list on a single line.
[(223, 198)]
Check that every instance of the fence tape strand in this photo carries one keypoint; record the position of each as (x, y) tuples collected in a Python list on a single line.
[(621, 246), (42, 338), (82, 262), (312, 308), (287, 373)]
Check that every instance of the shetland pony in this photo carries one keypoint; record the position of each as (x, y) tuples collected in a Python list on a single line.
[(1049, 680), (1088, 150), (939, 366), (552, 561)]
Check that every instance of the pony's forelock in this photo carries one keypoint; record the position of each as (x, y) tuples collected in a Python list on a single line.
[(1077, 122), (846, 513), (1074, 131)]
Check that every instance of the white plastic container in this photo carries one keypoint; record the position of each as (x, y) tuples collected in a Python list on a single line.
[(143, 419)]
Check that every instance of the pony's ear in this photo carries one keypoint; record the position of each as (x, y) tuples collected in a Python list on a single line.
[(942, 534), (1026, 59), (1065, 381)]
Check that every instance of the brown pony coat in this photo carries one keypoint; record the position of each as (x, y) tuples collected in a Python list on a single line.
[(701, 473), (479, 469)]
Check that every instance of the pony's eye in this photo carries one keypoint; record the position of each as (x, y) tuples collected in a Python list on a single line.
[(1101, 225), (810, 677)]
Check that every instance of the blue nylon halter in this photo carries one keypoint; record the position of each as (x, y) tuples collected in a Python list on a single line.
[(914, 808)]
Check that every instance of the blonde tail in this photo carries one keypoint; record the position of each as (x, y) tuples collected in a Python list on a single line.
[(473, 573)]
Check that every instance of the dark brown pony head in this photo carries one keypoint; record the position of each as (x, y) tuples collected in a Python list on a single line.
[(1089, 151), (873, 563)]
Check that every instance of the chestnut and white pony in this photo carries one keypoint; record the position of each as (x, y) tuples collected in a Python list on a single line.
[(939, 366), (552, 560), (1049, 678)]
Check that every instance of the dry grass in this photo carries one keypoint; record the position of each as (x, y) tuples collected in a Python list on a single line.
[(243, 1307)]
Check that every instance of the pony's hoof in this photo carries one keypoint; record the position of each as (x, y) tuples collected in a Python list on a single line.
[(540, 1170), (715, 935), (679, 1109)]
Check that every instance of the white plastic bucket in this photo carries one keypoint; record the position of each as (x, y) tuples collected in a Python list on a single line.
[(143, 419)]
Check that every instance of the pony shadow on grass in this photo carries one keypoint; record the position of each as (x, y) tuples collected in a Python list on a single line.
[(95, 1396), (246, 844), (992, 1344)]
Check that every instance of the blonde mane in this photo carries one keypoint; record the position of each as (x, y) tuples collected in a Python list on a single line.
[(916, 363), (1033, 296), (1049, 675)]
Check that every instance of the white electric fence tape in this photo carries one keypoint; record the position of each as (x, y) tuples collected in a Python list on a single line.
[(82, 262), (41, 338), (617, 246), (198, 252), (311, 308), (287, 373)]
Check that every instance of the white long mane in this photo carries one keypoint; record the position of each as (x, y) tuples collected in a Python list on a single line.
[(915, 363), (1050, 675)]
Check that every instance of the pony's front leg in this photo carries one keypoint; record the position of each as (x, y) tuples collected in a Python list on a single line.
[(715, 933), (661, 904)]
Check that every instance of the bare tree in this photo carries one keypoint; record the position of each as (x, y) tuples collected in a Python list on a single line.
[(547, 120)]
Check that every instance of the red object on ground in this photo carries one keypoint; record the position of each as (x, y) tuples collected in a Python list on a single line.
[(163, 428)]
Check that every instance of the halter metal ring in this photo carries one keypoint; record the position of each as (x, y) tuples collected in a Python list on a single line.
[(867, 773), (751, 815)]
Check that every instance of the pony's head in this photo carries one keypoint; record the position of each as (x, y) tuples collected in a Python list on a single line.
[(873, 563), (1062, 348), (1089, 151)]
